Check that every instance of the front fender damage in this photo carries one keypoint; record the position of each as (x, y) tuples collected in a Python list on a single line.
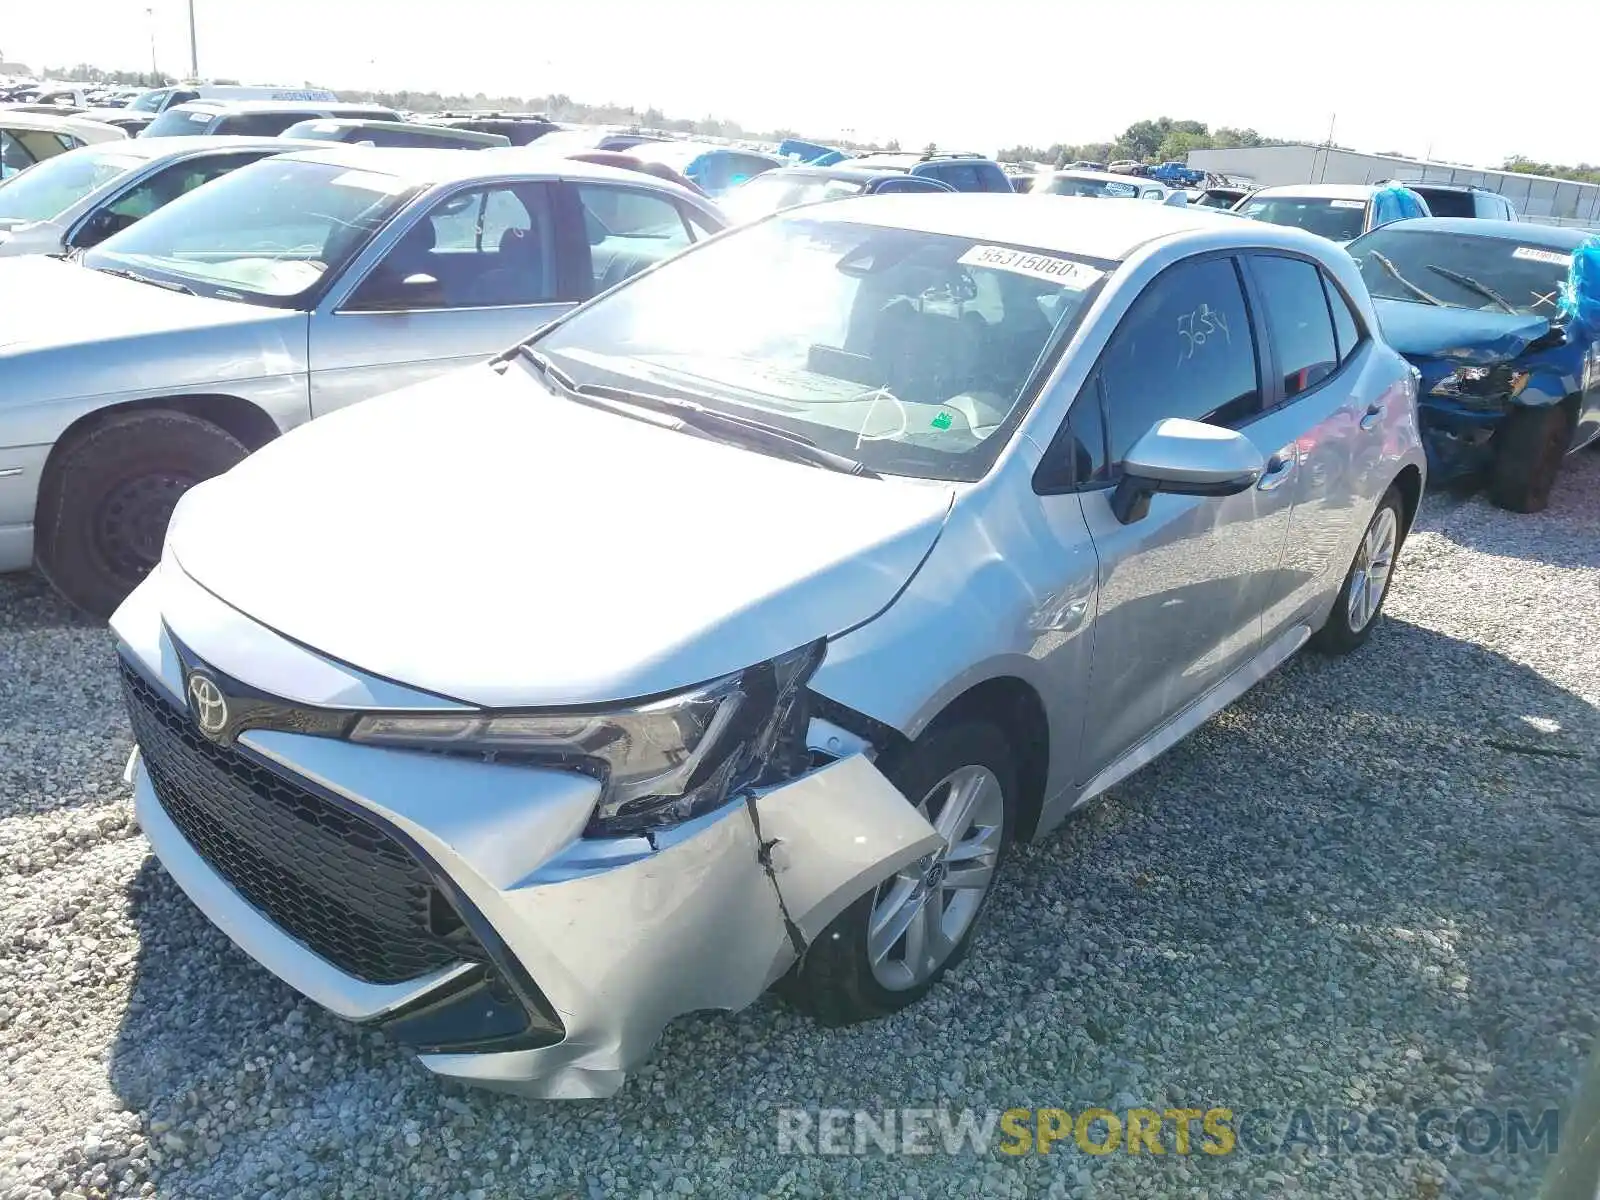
[(708, 919)]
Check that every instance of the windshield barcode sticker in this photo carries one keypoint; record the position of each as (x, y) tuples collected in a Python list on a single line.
[(1027, 262), (1553, 257), (371, 181), (1347, 204)]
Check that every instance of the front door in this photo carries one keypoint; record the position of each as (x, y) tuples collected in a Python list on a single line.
[(1182, 589), (474, 274)]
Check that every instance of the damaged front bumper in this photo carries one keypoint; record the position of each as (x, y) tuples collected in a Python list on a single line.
[(574, 952)]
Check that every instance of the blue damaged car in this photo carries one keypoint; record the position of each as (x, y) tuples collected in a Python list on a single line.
[(1503, 330)]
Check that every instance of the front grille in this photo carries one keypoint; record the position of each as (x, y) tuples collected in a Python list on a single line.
[(340, 883)]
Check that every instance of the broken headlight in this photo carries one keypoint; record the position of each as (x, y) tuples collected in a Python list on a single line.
[(661, 762), (1480, 387)]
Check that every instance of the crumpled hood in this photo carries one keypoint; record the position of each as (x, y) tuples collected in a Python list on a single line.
[(479, 538), (47, 302), (1461, 335)]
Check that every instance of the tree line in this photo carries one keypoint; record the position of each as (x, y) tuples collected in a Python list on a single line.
[(1160, 140)]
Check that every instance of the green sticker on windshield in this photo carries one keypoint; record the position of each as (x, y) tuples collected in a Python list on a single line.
[(942, 421)]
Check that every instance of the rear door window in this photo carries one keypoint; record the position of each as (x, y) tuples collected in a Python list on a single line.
[(1347, 330), (1298, 318), (628, 229)]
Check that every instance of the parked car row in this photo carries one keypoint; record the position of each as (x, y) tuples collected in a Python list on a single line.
[(985, 501)]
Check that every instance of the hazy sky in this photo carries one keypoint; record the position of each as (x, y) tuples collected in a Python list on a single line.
[(1474, 80)]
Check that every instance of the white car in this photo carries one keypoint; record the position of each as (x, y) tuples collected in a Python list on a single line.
[(730, 628), (1099, 184), (28, 138), (1340, 212)]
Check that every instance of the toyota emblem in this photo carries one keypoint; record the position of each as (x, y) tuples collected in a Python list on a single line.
[(207, 702)]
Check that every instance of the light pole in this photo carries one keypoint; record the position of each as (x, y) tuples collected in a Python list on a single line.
[(194, 47), (155, 71)]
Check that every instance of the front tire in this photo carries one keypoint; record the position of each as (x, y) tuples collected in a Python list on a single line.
[(1528, 449), (1366, 584), (105, 504), (890, 947)]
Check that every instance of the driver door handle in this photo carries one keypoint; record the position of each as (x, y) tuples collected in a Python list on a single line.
[(1279, 467), (1373, 415)]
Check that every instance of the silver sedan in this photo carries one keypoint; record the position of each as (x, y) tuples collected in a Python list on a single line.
[(734, 627), (284, 290)]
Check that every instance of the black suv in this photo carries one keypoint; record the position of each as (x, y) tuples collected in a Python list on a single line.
[(518, 128), (963, 172), (1463, 200)]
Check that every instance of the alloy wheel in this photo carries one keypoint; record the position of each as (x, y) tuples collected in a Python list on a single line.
[(1369, 577), (920, 915)]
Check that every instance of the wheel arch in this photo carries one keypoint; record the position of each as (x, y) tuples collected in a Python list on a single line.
[(1011, 704), (1409, 484), (248, 422)]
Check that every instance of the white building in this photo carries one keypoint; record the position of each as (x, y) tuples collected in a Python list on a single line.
[(1536, 197)]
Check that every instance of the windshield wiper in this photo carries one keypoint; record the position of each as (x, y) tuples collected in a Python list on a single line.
[(541, 364), (170, 284), (747, 430), (1404, 282), (1472, 285), (684, 413)]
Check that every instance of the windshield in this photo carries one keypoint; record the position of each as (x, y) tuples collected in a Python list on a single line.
[(769, 193), (149, 101), (1527, 277), (1075, 185), (266, 233), (58, 183), (1339, 220), (913, 353)]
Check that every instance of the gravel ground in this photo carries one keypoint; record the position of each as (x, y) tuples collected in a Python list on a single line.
[(1370, 883)]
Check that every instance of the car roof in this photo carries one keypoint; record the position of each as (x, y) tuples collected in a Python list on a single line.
[(1322, 191), (677, 150), (50, 123), (1528, 233), (1078, 225), (1106, 177), (839, 171), (429, 166), (309, 107), (189, 143)]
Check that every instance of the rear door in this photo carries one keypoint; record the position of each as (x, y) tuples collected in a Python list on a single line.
[(476, 272), (1181, 590)]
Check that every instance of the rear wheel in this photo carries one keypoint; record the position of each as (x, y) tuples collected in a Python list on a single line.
[(106, 502), (1366, 584), (892, 945), (1528, 449)]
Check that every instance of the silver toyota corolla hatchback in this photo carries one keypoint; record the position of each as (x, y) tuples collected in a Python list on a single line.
[(726, 633)]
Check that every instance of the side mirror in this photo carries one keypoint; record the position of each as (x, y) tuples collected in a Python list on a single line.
[(387, 294), (1184, 458), (97, 229)]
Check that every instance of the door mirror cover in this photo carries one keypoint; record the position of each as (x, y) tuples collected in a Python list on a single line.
[(1185, 458)]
